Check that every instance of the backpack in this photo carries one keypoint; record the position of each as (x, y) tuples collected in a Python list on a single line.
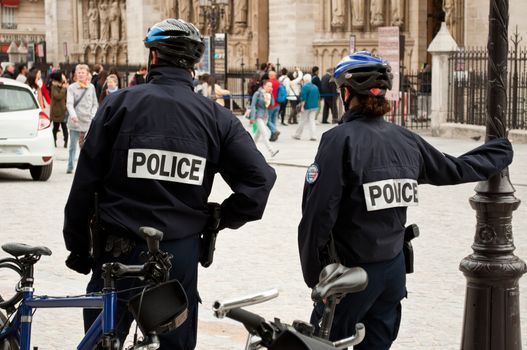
[(281, 94)]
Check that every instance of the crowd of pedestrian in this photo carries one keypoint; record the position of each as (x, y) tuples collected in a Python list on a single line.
[(302, 92)]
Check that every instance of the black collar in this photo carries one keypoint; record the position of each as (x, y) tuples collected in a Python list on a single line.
[(160, 74), (352, 114)]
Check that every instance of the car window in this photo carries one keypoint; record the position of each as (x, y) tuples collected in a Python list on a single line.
[(14, 98)]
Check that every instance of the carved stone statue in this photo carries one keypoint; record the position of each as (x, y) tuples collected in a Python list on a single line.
[(377, 13), (122, 6), (449, 6), (225, 21), (105, 20), (93, 21), (337, 13), (184, 7), (240, 12), (357, 13), (397, 10), (115, 20)]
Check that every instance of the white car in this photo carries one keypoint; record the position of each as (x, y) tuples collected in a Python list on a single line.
[(26, 139)]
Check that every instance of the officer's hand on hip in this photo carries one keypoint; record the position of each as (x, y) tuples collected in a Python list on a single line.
[(81, 263)]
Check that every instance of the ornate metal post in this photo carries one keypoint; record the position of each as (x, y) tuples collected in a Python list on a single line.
[(492, 313)]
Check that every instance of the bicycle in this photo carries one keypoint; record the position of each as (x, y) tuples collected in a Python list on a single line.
[(335, 281), (152, 320)]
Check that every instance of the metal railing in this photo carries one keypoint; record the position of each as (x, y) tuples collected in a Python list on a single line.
[(468, 85)]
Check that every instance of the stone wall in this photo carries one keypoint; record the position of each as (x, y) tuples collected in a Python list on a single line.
[(143, 15), (291, 29), (477, 20)]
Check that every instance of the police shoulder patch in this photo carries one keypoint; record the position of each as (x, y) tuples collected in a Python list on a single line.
[(312, 173)]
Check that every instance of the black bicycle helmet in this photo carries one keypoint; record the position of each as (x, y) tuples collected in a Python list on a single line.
[(176, 41), (364, 74)]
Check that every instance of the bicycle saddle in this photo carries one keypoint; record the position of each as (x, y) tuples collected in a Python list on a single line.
[(338, 279), (19, 249)]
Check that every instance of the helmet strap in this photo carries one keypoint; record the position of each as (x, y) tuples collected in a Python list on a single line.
[(149, 64), (347, 101)]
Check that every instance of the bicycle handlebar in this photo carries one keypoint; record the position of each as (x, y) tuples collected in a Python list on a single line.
[(360, 333), (251, 321), (221, 309)]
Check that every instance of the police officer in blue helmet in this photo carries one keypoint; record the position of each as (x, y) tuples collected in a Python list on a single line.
[(357, 192), (151, 155)]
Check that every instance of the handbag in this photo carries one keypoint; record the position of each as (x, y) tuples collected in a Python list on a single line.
[(75, 103)]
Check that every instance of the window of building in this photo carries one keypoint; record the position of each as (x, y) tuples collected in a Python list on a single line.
[(8, 18)]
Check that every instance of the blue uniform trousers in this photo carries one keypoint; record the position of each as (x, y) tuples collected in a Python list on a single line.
[(378, 307), (184, 268)]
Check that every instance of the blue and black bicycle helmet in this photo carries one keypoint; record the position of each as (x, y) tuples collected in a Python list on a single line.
[(364, 74), (176, 41)]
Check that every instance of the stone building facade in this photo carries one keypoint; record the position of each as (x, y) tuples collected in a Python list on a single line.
[(296, 32)]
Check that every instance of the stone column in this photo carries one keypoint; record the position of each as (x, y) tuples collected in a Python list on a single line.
[(53, 47), (140, 15), (440, 48)]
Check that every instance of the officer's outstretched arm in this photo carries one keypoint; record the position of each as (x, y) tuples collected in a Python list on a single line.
[(247, 173), (476, 165), (324, 184)]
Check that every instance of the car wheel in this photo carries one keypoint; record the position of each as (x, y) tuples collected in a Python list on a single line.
[(41, 173)]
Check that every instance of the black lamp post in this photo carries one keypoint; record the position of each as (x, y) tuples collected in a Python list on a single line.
[(213, 11), (492, 312)]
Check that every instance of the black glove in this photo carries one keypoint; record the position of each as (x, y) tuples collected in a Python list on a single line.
[(81, 263)]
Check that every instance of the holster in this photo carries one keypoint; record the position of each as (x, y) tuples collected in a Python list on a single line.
[(208, 237), (328, 254), (410, 233)]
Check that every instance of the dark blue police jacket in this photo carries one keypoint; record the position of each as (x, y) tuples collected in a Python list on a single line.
[(152, 152), (364, 177)]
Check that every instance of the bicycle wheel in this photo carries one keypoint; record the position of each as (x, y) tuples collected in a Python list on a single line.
[(10, 343), (10, 276)]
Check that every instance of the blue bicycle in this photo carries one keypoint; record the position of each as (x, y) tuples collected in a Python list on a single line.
[(159, 306)]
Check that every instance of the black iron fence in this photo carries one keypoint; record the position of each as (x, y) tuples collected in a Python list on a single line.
[(468, 87), (412, 110)]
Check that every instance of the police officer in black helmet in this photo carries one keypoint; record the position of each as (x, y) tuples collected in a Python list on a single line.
[(364, 177), (151, 155)]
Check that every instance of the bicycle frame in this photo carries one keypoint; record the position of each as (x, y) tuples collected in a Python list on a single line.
[(105, 323)]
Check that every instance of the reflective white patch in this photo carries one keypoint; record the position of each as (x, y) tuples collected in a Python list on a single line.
[(164, 165), (312, 174), (390, 193)]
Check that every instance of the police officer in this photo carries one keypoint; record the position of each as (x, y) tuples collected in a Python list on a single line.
[(151, 155), (357, 191)]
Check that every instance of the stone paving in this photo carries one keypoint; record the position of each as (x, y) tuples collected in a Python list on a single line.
[(263, 254)]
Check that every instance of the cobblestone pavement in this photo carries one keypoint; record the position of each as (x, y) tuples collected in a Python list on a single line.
[(263, 254)]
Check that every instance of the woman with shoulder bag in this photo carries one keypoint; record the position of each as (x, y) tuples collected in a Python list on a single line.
[(58, 111), (261, 99)]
